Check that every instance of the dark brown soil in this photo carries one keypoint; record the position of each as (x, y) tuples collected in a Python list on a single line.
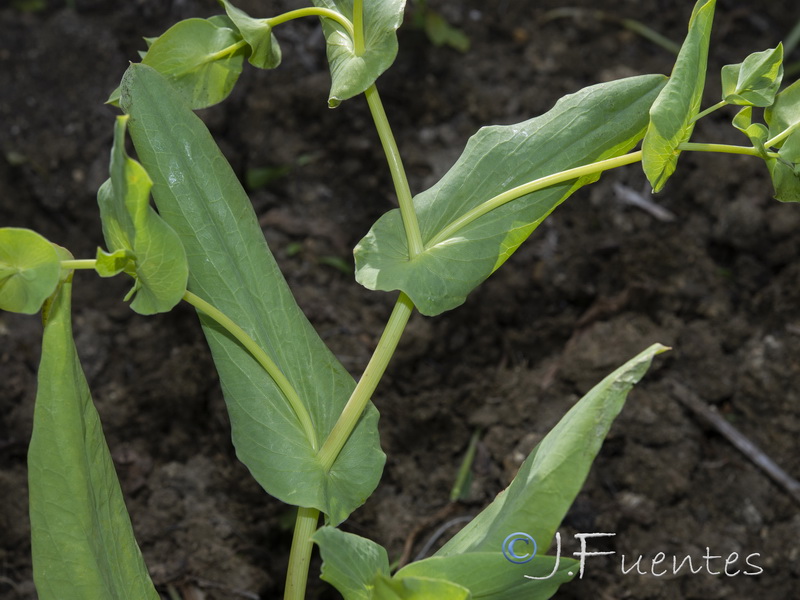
[(598, 282)]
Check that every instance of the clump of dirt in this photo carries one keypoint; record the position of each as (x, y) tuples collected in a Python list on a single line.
[(597, 283)]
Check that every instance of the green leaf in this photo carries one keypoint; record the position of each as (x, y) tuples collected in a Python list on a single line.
[(265, 53), (673, 113), (536, 501), (231, 267), (596, 123), (30, 270), (785, 180), (785, 168), (417, 588), (550, 478), (81, 536), (756, 132), (756, 81), (113, 263), (490, 576), (203, 58), (350, 563), (352, 74), (140, 241), (359, 569), (784, 114), (441, 33)]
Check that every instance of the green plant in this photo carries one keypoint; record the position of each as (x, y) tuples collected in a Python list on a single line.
[(293, 407)]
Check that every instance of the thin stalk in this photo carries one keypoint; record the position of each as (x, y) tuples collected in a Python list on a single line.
[(358, 27), (300, 554), (369, 381), (530, 187), (721, 148), (83, 263), (709, 110), (313, 11), (569, 174), (410, 223), (782, 135), (263, 359)]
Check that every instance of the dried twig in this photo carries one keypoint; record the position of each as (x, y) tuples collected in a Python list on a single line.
[(735, 437)]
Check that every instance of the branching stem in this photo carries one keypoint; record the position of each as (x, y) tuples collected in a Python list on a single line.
[(313, 11), (369, 381), (709, 110)]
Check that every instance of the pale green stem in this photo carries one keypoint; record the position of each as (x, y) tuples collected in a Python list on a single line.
[(721, 148), (563, 176), (263, 359), (300, 555), (530, 187), (782, 135), (358, 27), (709, 110), (366, 385), (313, 11), (410, 223), (83, 263)]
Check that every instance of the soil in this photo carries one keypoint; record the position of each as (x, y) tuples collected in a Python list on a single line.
[(599, 281)]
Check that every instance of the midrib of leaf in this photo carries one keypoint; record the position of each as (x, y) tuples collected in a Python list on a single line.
[(520, 191), (210, 58), (553, 178)]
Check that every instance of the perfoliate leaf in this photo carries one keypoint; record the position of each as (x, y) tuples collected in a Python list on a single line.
[(785, 170), (350, 563), (756, 132), (784, 112), (203, 58), (598, 122), (755, 81), (141, 243), (785, 180), (231, 267), (265, 53), (113, 263), (672, 114), (783, 116), (30, 270), (790, 149), (352, 74), (81, 536)]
